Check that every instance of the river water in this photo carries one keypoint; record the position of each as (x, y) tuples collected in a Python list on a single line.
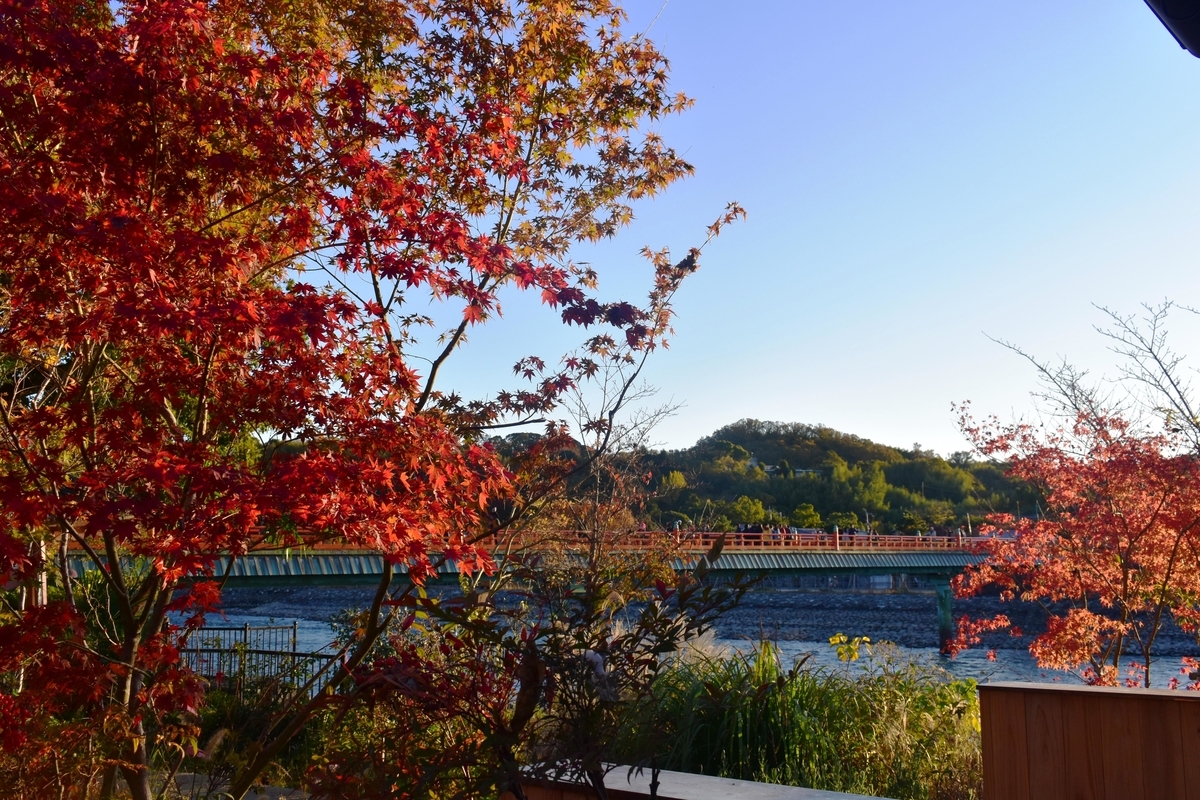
[(799, 622)]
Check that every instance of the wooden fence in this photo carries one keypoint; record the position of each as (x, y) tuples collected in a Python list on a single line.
[(1053, 742)]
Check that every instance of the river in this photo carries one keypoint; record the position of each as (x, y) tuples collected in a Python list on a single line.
[(799, 622)]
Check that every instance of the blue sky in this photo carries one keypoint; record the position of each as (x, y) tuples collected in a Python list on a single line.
[(919, 176)]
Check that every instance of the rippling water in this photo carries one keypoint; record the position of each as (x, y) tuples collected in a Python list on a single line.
[(799, 622), (1010, 665)]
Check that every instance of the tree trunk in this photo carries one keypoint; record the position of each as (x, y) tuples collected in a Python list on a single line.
[(108, 786), (138, 777)]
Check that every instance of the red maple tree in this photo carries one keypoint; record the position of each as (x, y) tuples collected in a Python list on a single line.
[(1113, 554), (218, 222)]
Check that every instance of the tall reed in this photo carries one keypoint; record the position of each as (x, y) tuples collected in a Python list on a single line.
[(887, 725)]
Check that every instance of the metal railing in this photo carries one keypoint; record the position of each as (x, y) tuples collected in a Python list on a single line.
[(258, 637), (235, 659)]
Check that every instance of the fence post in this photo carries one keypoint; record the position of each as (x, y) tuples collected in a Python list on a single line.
[(295, 624), (242, 658)]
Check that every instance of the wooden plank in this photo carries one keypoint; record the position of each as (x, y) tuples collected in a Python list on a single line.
[(1045, 746), (1189, 741), (1006, 758), (1081, 732), (1162, 749), (987, 740), (1120, 747), (1090, 743)]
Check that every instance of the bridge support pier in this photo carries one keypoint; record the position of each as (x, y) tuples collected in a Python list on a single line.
[(945, 600)]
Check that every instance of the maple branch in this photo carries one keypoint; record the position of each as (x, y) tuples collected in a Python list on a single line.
[(619, 403), (534, 136), (396, 295), (445, 354), (345, 287), (65, 571), (501, 234), (87, 547), (88, 441), (496, 425), (154, 621), (301, 176), (200, 423), (375, 285), (270, 265), (123, 600), (167, 412), (1161, 600), (228, 571)]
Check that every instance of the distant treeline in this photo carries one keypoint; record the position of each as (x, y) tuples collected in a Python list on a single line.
[(810, 476)]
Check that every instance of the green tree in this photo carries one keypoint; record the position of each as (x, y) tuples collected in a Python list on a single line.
[(842, 520), (834, 472), (747, 511), (774, 518), (933, 479), (805, 516), (721, 524), (672, 483)]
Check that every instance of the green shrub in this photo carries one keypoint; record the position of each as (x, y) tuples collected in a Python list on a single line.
[(887, 726)]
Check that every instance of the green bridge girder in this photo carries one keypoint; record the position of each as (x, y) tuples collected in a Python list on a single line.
[(844, 562), (309, 568), (350, 568)]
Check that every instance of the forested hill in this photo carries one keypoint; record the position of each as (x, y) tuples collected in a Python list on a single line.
[(811, 476)]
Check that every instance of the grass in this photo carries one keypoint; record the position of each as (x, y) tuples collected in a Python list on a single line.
[(886, 725), (882, 725)]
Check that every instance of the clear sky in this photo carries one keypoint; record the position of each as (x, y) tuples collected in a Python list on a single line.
[(919, 176)]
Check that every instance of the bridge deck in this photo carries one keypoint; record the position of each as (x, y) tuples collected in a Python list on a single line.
[(359, 566), (803, 553)]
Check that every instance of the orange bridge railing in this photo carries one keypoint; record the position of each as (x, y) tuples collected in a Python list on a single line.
[(701, 541)]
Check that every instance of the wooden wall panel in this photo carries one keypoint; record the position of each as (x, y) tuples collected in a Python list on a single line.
[(1004, 739), (1045, 745), (1162, 749), (1189, 736), (1121, 749), (1084, 773), (991, 759), (1052, 742)]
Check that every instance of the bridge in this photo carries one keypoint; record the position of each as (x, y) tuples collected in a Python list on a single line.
[(935, 558)]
